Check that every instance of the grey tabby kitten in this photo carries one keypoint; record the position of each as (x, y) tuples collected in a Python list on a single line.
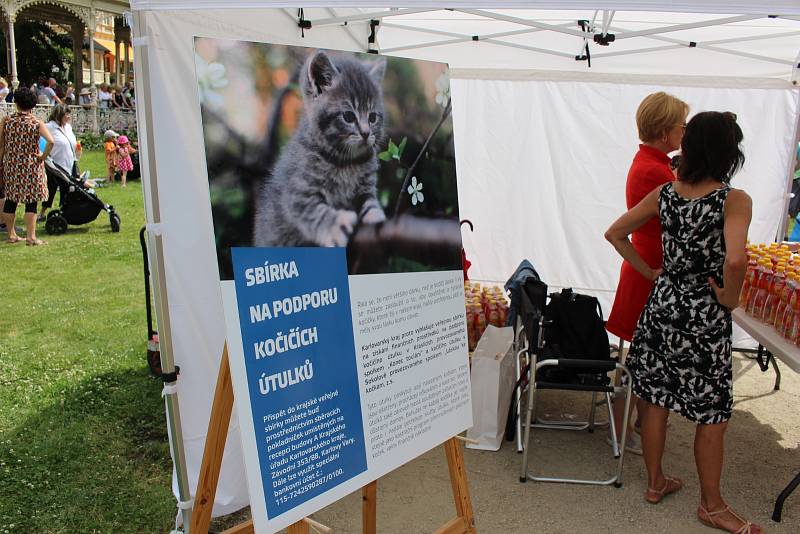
[(324, 180)]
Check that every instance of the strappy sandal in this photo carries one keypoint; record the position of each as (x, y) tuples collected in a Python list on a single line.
[(671, 485), (746, 528), (35, 242), (12, 240)]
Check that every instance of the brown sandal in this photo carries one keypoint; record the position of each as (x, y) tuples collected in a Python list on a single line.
[(671, 485), (35, 242), (746, 528), (12, 240)]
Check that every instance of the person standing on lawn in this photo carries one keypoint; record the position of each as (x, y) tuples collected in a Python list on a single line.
[(23, 165), (112, 156), (124, 161)]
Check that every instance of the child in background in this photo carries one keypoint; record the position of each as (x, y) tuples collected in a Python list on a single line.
[(124, 161), (110, 144)]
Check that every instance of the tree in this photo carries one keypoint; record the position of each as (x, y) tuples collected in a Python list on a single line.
[(40, 47)]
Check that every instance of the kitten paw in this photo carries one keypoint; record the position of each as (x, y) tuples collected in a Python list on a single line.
[(373, 215), (339, 233)]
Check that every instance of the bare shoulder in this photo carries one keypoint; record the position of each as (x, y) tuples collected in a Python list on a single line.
[(738, 198), (738, 202)]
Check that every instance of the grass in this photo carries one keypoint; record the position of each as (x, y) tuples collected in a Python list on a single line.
[(83, 443)]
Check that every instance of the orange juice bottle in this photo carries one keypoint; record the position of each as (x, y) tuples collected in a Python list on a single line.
[(783, 302), (778, 283), (791, 313), (749, 278), (757, 292)]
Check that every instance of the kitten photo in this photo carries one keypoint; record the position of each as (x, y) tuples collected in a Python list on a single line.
[(324, 182)]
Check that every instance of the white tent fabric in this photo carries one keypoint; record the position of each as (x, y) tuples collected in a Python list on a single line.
[(543, 143), (784, 7)]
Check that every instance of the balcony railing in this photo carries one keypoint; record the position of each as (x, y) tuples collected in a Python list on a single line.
[(85, 120)]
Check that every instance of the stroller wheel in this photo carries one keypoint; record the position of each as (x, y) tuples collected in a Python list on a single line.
[(115, 222), (55, 224)]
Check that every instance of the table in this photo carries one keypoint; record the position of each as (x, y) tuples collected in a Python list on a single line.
[(775, 346)]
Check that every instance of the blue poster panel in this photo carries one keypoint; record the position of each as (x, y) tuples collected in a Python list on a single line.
[(297, 336)]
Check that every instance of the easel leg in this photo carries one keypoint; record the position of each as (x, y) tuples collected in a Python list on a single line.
[(301, 527), (369, 505), (464, 522), (214, 448)]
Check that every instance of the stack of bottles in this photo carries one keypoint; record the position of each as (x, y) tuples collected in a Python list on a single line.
[(771, 289), (486, 305)]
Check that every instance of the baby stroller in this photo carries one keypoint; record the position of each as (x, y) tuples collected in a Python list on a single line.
[(78, 204)]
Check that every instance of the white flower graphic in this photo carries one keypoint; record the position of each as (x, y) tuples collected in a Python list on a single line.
[(210, 78), (415, 190), (443, 89)]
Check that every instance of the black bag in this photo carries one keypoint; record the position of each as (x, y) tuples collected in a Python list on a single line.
[(577, 331)]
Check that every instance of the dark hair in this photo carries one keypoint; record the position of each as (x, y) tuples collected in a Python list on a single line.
[(58, 113), (710, 148), (25, 99)]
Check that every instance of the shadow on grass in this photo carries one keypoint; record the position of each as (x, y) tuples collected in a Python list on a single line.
[(95, 460)]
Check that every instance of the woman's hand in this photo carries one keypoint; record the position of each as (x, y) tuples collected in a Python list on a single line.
[(726, 298), (654, 274), (41, 157)]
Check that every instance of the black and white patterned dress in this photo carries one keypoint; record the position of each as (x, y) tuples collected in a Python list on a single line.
[(680, 356)]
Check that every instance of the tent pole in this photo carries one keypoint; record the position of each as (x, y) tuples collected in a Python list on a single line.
[(792, 163), (465, 36), (368, 16), (156, 253), (688, 26), (526, 22), (349, 30)]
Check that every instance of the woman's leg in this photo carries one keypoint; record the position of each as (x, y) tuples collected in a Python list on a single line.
[(30, 222), (654, 435), (9, 217), (709, 447)]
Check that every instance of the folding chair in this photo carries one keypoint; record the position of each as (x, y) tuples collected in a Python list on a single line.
[(593, 378)]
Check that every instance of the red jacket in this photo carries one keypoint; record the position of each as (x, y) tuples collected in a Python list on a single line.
[(650, 169)]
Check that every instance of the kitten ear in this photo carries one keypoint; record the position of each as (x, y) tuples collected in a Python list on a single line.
[(377, 69), (320, 73)]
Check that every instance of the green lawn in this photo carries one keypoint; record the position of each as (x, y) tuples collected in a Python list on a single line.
[(83, 443)]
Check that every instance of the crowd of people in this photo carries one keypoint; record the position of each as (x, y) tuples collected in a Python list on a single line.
[(48, 92), (25, 143)]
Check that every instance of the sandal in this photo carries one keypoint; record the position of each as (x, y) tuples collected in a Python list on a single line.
[(671, 485), (12, 240), (35, 242), (707, 518)]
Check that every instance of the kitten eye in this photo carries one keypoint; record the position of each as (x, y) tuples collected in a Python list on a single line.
[(349, 117), (373, 117)]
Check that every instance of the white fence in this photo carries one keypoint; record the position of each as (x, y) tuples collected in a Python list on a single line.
[(85, 120)]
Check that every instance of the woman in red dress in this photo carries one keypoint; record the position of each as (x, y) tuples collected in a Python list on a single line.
[(661, 120)]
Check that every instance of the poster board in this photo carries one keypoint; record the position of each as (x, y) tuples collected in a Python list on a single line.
[(336, 222)]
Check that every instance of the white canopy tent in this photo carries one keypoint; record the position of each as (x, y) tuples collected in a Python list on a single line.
[(543, 139)]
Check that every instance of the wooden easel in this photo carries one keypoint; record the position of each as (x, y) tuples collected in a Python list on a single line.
[(463, 523)]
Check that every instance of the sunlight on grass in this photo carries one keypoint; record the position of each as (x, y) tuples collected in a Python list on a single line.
[(83, 443)]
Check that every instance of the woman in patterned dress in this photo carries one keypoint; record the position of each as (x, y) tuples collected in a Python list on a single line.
[(22, 164), (680, 357)]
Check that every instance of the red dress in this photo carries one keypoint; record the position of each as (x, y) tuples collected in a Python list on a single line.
[(650, 169)]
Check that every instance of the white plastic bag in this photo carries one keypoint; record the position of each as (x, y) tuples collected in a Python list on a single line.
[(493, 378)]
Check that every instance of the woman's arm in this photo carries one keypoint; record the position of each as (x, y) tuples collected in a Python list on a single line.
[(633, 219), (738, 211), (44, 131), (2, 139)]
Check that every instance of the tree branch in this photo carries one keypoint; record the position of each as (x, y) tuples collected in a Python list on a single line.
[(435, 242)]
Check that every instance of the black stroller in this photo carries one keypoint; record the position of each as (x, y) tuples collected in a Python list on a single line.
[(78, 204)]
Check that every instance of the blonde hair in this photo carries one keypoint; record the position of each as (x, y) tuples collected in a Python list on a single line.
[(658, 113), (3, 82)]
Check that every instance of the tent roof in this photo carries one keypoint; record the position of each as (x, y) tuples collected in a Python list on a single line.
[(780, 7), (708, 38)]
